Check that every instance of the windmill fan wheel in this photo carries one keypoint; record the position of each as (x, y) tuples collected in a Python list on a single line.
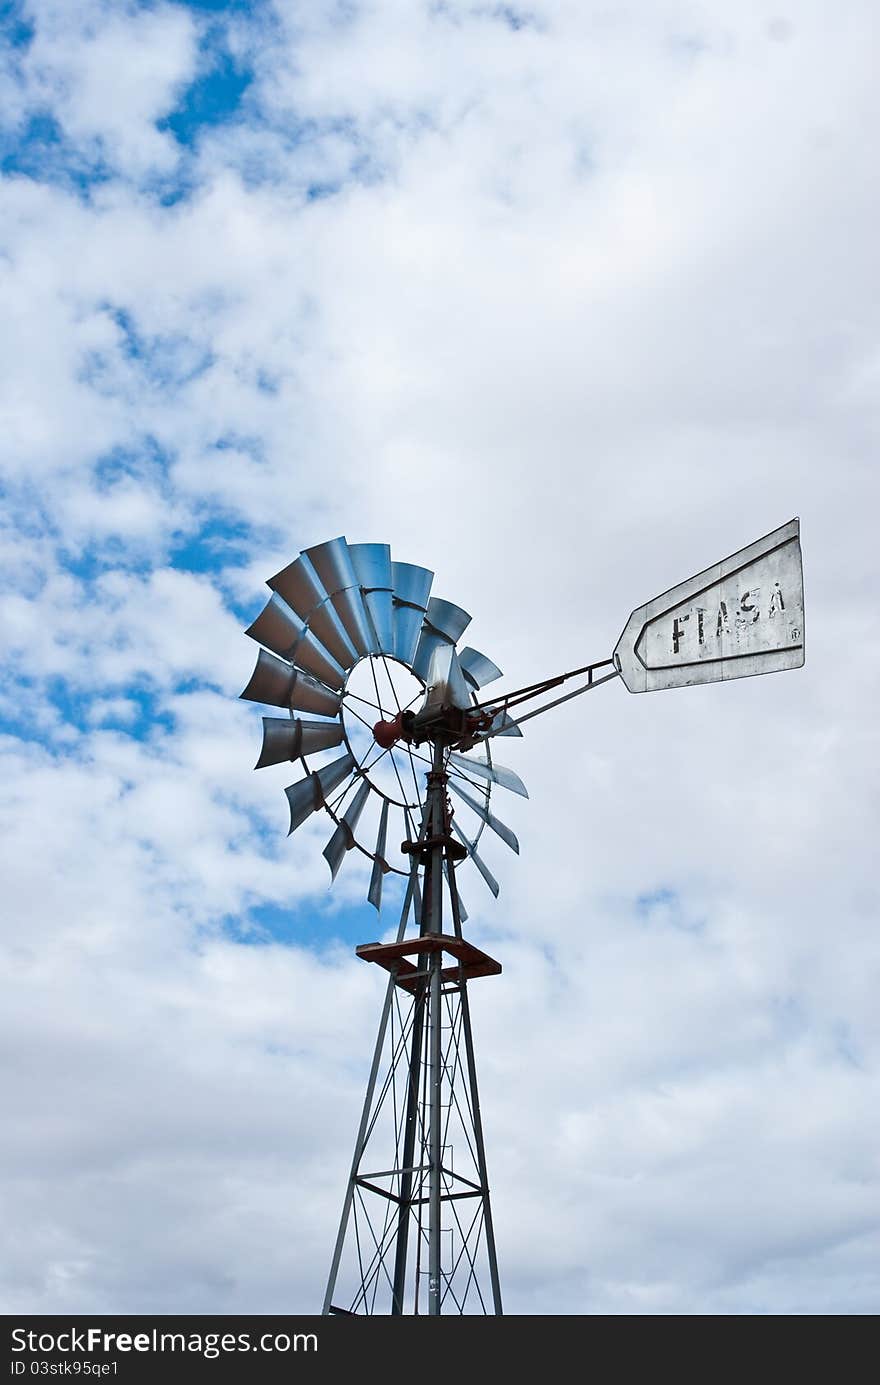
[(350, 638)]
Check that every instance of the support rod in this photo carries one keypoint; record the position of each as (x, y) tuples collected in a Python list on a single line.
[(410, 1129), (566, 697), (512, 699), (477, 1118)]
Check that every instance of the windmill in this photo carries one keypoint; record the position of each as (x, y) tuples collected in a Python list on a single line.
[(397, 746)]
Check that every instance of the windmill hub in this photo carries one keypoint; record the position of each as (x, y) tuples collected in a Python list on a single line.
[(449, 725), (387, 733)]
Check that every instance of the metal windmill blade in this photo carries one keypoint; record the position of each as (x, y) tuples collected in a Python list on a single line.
[(312, 793), (410, 599), (279, 628), (477, 859), (380, 865), (477, 669), (277, 684), (443, 625), (333, 564), (302, 589), (343, 838), (487, 769), (372, 565), (287, 740), (498, 827)]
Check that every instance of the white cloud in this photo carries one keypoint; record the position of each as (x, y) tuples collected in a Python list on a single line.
[(107, 73)]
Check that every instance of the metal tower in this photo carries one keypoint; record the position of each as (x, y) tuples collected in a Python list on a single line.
[(348, 634), (403, 1257)]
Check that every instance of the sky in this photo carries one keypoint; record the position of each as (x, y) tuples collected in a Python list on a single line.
[(565, 301)]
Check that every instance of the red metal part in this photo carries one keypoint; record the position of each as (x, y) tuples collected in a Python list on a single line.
[(387, 733)]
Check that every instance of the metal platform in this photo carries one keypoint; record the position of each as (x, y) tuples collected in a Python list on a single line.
[(393, 957)]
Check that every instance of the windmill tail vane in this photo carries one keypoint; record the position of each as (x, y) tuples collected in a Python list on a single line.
[(394, 734)]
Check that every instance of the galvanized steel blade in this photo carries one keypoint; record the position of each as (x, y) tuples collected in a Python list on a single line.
[(334, 851), (284, 739), (310, 793), (477, 668), (319, 735), (333, 564), (380, 606), (444, 623), (302, 799), (407, 625), (271, 681), (311, 656), (496, 774), (278, 627), (308, 694), (477, 860), (462, 911), (281, 741), (412, 586), (329, 777), (329, 629), (343, 838), (303, 590), (741, 617), (372, 564), (355, 617), (300, 586), (503, 725), (489, 819), (448, 618), (380, 865)]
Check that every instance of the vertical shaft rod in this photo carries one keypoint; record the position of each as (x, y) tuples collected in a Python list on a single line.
[(411, 1116), (434, 1185), (434, 896)]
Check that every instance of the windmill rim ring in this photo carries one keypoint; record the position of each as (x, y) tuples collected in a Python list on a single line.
[(364, 773), (331, 812)]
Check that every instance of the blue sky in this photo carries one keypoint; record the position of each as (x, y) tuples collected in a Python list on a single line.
[(563, 305)]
